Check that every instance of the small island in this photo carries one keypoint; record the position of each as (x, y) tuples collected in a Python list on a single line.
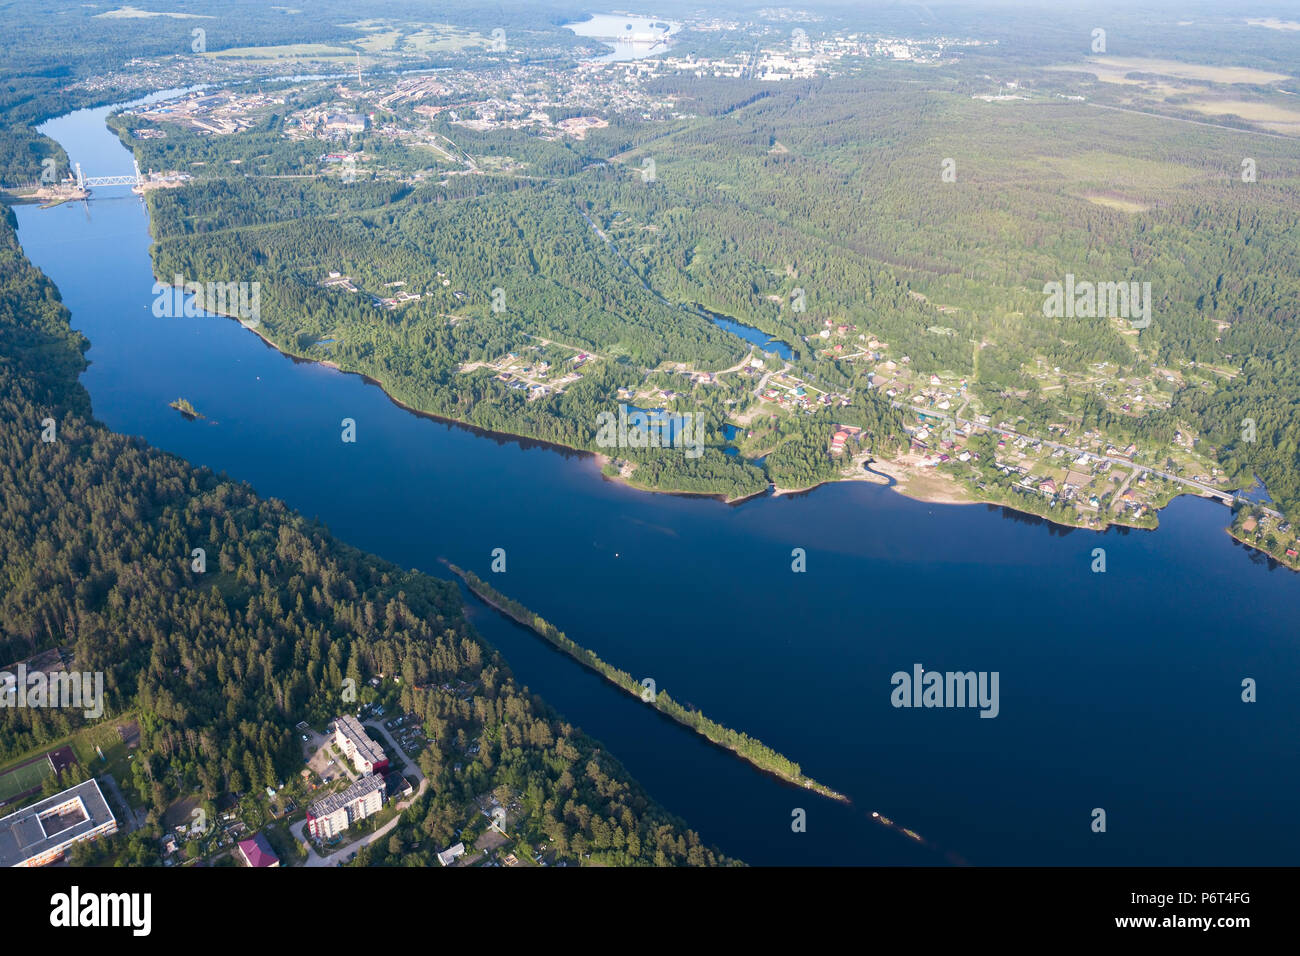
[(183, 406), (742, 745)]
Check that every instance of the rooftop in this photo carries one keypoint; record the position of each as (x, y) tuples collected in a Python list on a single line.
[(336, 801), (52, 822), (258, 852), (366, 748)]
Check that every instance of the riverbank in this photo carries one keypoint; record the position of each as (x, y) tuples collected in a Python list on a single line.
[(625, 477), (928, 485), (931, 485), (601, 460), (752, 751), (1291, 564)]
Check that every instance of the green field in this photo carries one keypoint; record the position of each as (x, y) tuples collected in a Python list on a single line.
[(19, 779), (22, 779)]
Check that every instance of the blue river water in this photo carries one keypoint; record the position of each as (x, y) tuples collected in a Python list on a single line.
[(1118, 690)]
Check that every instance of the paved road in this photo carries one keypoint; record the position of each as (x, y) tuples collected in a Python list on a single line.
[(334, 859), (762, 382)]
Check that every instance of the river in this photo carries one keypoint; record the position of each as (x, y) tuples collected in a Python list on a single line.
[(1118, 690)]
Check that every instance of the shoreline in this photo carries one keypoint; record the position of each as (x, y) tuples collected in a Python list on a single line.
[(954, 493), (899, 475), (1272, 558), (902, 474), (603, 459)]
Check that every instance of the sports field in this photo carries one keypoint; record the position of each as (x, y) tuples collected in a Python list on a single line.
[(29, 776)]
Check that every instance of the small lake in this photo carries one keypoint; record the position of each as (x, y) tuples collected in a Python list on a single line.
[(751, 334)]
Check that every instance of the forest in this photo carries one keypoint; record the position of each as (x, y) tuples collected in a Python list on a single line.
[(96, 538), (818, 201), (827, 192)]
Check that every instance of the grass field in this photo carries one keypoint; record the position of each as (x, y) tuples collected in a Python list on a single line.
[(428, 38), (14, 780), (378, 42), (109, 740), (291, 51), (22, 779), (1115, 172), (1267, 115), (442, 39)]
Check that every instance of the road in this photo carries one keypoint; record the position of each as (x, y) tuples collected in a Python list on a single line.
[(1119, 492), (337, 857), (762, 382), (135, 818), (1182, 119)]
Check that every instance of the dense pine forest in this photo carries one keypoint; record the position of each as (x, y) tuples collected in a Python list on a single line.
[(98, 530)]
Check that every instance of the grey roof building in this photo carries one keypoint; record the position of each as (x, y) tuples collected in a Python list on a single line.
[(42, 833)]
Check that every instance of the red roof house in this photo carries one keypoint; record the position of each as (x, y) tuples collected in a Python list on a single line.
[(257, 852)]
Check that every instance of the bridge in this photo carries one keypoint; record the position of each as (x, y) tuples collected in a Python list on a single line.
[(86, 182)]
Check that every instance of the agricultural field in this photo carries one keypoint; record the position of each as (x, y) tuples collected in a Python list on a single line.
[(1110, 69), (291, 51)]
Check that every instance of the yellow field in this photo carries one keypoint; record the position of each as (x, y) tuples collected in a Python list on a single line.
[(293, 51), (1267, 115), (129, 12), (1111, 69), (1114, 202), (1273, 23)]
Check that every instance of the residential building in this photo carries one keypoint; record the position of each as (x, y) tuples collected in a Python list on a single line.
[(257, 852), (351, 738), (449, 856), (331, 815)]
